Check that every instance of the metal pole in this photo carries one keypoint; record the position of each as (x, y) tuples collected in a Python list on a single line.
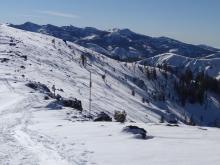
[(90, 93)]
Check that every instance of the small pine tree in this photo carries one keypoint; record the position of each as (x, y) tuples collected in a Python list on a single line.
[(133, 92), (83, 60), (165, 75), (148, 73), (103, 77), (53, 41), (216, 123), (64, 41), (191, 121), (54, 90), (162, 119), (201, 119), (154, 74)]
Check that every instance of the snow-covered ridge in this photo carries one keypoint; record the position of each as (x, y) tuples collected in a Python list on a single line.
[(209, 64), (122, 39)]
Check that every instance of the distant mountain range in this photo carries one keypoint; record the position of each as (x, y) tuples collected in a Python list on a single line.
[(120, 44)]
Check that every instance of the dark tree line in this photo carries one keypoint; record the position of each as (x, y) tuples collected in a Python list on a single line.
[(193, 88), (151, 73)]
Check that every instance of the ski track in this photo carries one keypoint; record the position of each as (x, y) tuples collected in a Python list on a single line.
[(28, 146)]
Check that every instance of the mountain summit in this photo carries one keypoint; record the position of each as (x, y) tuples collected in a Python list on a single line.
[(121, 44)]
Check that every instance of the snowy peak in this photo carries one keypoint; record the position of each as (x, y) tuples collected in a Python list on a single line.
[(120, 39), (125, 32)]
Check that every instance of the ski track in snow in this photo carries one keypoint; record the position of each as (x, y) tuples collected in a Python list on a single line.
[(14, 130)]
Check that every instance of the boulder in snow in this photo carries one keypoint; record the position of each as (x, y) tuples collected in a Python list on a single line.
[(103, 117), (38, 87), (136, 131), (72, 103), (4, 60)]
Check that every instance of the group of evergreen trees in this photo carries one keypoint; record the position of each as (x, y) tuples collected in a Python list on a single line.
[(193, 88), (151, 73)]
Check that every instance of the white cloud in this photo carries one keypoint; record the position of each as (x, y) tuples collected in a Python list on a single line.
[(30, 16), (59, 14)]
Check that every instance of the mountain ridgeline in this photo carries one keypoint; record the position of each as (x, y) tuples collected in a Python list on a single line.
[(120, 44)]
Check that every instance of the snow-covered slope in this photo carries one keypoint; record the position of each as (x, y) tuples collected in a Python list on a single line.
[(60, 65), (209, 64), (33, 131)]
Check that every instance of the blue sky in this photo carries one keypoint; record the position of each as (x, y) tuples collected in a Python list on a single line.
[(192, 21)]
